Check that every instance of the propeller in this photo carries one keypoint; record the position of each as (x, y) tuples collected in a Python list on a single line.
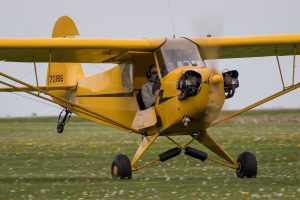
[(210, 26)]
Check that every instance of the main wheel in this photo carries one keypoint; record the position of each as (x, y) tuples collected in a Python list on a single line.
[(121, 167), (60, 127), (248, 165)]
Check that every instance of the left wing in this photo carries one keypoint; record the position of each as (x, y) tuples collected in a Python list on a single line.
[(248, 46), (75, 50)]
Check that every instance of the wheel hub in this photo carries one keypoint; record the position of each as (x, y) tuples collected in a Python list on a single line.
[(115, 170)]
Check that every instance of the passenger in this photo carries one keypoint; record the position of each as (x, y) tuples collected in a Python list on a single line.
[(150, 90)]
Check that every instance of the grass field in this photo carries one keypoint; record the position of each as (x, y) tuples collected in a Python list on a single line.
[(38, 163)]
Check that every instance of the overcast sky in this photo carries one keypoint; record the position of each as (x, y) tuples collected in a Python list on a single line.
[(259, 77)]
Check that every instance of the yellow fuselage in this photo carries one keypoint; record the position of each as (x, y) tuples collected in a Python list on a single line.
[(202, 108), (105, 93)]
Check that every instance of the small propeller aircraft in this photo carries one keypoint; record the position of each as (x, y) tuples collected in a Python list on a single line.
[(191, 95)]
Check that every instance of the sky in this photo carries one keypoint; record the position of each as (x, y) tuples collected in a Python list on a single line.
[(259, 77)]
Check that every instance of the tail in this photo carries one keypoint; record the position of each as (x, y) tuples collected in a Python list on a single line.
[(64, 74)]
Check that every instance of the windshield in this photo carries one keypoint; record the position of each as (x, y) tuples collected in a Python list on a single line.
[(176, 53)]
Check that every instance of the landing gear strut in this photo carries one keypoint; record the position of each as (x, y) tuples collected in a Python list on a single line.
[(61, 122)]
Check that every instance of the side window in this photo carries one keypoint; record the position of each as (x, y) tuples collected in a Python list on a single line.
[(127, 75), (162, 66)]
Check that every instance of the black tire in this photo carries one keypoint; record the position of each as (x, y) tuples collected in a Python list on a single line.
[(60, 127), (121, 167), (248, 165)]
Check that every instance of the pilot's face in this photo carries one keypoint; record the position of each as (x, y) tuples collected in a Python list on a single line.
[(154, 72)]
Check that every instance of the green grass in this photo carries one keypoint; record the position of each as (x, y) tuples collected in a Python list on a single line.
[(37, 163)]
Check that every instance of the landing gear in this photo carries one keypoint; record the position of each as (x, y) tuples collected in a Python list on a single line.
[(62, 122), (248, 165), (121, 167), (245, 165)]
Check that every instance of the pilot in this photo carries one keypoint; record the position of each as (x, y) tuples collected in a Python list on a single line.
[(150, 90)]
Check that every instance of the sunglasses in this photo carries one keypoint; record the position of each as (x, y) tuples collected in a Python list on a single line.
[(155, 72)]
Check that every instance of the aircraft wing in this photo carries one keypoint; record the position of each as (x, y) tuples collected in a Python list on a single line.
[(93, 50), (74, 50), (248, 46)]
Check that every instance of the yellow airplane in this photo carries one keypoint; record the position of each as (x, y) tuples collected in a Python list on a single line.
[(191, 95)]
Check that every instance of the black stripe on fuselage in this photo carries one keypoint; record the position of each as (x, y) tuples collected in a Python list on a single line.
[(129, 94), (161, 98)]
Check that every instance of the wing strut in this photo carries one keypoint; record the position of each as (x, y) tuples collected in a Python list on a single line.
[(50, 60), (274, 96), (36, 76), (64, 103), (279, 67), (294, 65)]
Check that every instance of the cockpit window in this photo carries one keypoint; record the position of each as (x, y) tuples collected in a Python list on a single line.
[(127, 75), (176, 53)]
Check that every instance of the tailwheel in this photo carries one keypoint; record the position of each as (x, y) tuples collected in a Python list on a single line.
[(121, 167), (248, 165)]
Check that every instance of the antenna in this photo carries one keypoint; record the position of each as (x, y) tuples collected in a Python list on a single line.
[(171, 17)]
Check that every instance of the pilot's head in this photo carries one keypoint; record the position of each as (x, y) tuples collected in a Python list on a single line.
[(152, 73)]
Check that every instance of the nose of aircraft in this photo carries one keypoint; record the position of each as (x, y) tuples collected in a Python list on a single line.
[(216, 79), (201, 96)]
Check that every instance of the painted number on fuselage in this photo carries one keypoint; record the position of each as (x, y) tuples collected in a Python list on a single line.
[(56, 78)]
